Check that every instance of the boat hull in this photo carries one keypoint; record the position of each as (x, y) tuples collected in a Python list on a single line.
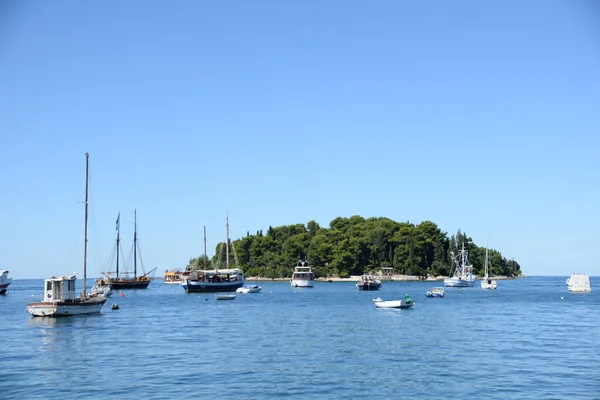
[(65, 309), (249, 289), (456, 282), (130, 284), (206, 287), (4, 288), (393, 304), (302, 283)]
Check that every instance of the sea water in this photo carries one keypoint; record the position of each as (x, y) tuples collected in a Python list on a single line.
[(529, 339)]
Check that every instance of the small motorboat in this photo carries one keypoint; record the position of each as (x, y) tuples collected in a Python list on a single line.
[(377, 299), (249, 289), (435, 292), (406, 302), (225, 296)]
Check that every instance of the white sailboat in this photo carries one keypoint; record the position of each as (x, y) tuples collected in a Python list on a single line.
[(463, 271), (487, 283), (60, 298)]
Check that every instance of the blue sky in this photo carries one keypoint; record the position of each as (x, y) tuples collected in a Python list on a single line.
[(474, 115)]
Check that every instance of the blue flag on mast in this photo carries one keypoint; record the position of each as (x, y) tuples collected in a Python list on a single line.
[(118, 218)]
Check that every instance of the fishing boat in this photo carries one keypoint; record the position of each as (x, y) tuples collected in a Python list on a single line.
[(4, 281), (579, 283), (368, 282), (435, 292), (463, 271), (60, 298), (302, 277), (487, 283), (127, 280), (249, 289), (215, 280), (406, 302)]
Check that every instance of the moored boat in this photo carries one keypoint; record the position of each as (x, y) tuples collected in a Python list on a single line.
[(579, 283), (222, 296), (175, 275), (488, 283), (249, 289), (463, 271), (368, 282), (60, 298), (4, 281), (127, 280), (406, 302), (435, 292), (216, 280), (302, 277)]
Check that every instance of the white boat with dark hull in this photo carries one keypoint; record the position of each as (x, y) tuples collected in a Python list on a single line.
[(4, 281), (368, 282), (215, 280), (302, 277), (463, 271), (579, 283), (224, 296), (60, 298)]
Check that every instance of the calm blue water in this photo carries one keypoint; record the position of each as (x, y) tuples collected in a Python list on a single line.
[(521, 341)]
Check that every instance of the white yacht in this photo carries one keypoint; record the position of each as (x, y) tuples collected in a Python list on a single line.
[(463, 271), (579, 283), (303, 275)]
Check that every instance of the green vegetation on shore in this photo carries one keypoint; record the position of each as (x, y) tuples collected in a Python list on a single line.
[(355, 245)]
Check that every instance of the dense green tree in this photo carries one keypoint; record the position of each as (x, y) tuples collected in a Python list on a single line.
[(355, 245)]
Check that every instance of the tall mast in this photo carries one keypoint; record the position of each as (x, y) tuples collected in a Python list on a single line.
[(118, 240), (486, 255), (227, 243), (87, 158), (205, 248), (135, 243)]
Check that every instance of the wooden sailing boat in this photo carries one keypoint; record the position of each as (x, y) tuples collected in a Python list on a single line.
[(123, 280), (60, 298), (215, 280), (486, 282)]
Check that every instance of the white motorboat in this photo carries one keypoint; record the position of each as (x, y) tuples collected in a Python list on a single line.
[(463, 271), (249, 289), (376, 299), (222, 296), (435, 292), (406, 302), (579, 283), (303, 276)]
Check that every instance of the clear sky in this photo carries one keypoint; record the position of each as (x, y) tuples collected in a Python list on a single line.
[(472, 114)]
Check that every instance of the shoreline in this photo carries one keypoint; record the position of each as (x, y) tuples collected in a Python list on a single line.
[(392, 278)]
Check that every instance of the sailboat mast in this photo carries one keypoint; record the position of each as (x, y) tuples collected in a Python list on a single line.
[(227, 243), (205, 248), (87, 158), (118, 240), (135, 243), (486, 255)]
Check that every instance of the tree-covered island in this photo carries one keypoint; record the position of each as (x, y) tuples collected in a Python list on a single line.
[(355, 245)]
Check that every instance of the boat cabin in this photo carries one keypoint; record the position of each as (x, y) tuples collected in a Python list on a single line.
[(60, 288)]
